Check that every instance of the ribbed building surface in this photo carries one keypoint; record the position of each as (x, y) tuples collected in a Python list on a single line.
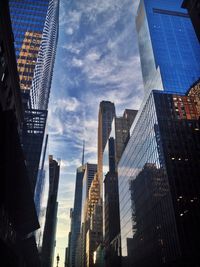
[(35, 28)]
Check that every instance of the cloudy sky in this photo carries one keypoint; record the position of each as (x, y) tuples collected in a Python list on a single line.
[(97, 59)]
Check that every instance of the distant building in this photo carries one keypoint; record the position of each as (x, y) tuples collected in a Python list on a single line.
[(90, 171), (122, 127), (117, 141), (159, 185), (76, 226), (48, 244), (105, 117), (66, 257), (168, 46), (94, 215), (193, 8)]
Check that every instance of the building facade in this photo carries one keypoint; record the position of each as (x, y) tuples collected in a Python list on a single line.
[(167, 41), (18, 217), (159, 185), (117, 141), (76, 226), (90, 171), (35, 28), (105, 117), (48, 244)]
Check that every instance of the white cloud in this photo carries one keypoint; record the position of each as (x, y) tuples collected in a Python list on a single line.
[(69, 31), (92, 56), (77, 62)]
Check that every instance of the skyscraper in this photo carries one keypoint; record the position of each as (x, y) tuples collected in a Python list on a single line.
[(76, 226), (48, 244), (35, 28), (168, 46), (90, 171), (117, 141), (106, 115), (94, 215), (159, 184)]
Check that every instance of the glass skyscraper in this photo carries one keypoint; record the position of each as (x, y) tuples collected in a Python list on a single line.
[(159, 169), (159, 184), (35, 28), (168, 46)]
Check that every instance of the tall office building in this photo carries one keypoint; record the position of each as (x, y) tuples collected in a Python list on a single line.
[(106, 115), (76, 226), (68, 256), (35, 28), (94, 232), (48, 244), (90, 171), (159, 184), (168, 46), (117, 141), (122, 127)]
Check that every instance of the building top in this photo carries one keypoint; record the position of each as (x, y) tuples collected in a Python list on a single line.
[(168, 46)]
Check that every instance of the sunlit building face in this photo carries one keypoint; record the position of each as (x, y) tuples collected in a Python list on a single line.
[(27, 58)]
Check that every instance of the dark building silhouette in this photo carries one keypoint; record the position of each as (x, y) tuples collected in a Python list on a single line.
[(68, 260), (48, 244), (111, 200), (76, 226), (159, 185), (193, 8), (18, 218), (32, 139)]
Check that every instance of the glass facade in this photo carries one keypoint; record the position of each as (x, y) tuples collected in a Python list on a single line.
[(158, 184), (35, 28), (169, 48)]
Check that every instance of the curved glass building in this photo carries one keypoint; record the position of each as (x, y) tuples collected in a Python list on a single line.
[(35, 28)]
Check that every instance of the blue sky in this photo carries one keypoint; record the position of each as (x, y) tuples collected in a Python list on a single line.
[(97, 59)]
